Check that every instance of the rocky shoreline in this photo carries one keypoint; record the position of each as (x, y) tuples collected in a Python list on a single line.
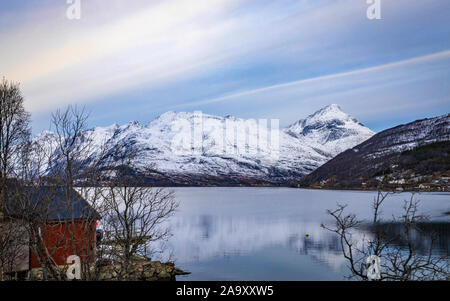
[(141, 269)]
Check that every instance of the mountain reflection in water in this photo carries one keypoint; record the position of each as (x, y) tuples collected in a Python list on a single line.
[(275, 234)]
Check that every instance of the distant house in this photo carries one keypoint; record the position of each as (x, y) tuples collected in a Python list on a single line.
[(380, 178), (398, 181), (424, 186), (65, 223)]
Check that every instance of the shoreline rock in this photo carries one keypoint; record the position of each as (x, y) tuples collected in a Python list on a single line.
[(141, 269)]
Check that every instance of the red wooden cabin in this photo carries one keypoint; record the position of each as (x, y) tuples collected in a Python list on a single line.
[(65, 239), (65, 224)]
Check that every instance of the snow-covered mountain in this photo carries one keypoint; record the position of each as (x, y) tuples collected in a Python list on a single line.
[(197, 149), (332, 128), (419, 147)]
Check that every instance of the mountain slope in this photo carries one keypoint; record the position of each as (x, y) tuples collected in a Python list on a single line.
[(387, 154), (198, 149)]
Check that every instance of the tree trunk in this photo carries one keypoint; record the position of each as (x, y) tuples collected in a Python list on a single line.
[(1, 226)]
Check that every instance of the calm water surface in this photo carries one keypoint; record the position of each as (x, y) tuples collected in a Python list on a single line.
[(259, 233)]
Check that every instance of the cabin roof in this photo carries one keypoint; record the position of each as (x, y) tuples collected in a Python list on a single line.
[(52, 203)]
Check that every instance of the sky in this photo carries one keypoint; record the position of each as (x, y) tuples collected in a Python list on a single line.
[(126, 60)]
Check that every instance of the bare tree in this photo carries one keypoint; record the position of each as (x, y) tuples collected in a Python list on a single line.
[(14, 131), (56, 216), (70, 167), (134, 217), (400, 257)]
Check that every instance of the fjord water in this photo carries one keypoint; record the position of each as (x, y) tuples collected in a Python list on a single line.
[(275, 233)]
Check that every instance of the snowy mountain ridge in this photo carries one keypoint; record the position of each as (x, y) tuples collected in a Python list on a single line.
[(194, 148)]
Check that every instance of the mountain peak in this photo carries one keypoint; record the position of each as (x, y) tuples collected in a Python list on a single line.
[(168, 114), (325, 114), (133, 123), (331, 107), (45, 135), (331, 126), (387, 151), (330, 112)]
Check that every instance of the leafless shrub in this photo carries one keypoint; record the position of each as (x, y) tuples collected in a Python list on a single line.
[(399, 262)]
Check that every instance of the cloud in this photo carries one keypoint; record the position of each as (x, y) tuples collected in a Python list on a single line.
[(178, 52), (350, 75), (60, 61), (158, 41)]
